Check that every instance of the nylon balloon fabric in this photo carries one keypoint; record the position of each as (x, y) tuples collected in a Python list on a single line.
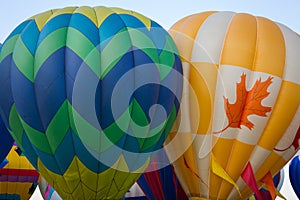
[(241, 114), (91, 92), (6, 141), (294, 174), (161, 184)]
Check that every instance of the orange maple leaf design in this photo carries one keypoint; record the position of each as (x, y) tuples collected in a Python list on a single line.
[(247, 103)]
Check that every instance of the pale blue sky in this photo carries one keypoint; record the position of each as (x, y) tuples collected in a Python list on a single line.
[(164, 12)]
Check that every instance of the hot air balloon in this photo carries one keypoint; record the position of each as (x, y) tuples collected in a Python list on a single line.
[(6, 141), (159, 181), (294, 174), (18, 178), (90, 94), (161, 184), (240, 111)]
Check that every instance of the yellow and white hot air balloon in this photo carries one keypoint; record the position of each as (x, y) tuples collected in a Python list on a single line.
[(240, 109)]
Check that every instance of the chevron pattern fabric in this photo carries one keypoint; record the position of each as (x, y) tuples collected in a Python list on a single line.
[(88, 92), (6, 140)]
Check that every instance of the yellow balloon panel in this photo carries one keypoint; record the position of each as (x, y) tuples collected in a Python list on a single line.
[(90, 182), (241, 70)]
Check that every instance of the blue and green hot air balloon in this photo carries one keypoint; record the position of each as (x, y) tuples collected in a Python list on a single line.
[(6, 141), (90, 93)]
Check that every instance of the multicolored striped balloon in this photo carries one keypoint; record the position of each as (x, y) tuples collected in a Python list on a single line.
[(90, 94), (161, 184), (241, 114), (159, 181), (18, 178)]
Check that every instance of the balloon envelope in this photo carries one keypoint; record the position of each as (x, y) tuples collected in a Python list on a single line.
[(18, 178), (6, 141), (161, 184), (240, 112), (294, 174), (91, 92)]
